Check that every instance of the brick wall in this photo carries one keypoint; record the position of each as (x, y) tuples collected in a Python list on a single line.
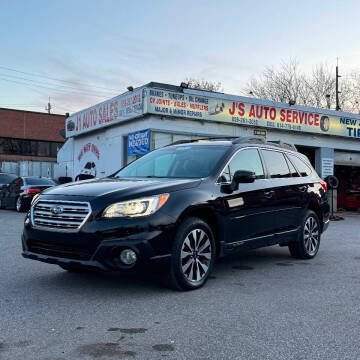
[(31, 125)]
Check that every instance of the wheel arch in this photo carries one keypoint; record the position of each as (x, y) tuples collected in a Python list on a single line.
[(208, 215), (315, 207)]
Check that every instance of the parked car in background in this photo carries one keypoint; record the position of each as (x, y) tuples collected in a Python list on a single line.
[(6, 178), (20, 191)]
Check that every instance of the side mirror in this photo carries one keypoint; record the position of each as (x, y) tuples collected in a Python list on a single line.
[(244, 177), (240, 177)]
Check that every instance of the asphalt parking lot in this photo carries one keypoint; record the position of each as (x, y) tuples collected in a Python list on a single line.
[(257, 305)]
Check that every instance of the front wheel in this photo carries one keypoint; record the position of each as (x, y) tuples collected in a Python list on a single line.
[(193, 255), (19, 205), (309, 238)]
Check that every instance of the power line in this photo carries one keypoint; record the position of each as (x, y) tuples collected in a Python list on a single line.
[(21, 105), (57, 79), (61, 86), (54, 89)]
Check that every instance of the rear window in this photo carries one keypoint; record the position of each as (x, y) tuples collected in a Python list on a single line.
[(303, 169), (276, 164), (6, 178), (39, 181)]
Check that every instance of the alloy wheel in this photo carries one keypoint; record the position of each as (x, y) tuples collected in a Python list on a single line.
[(195, 256), (18, 204), (311, 235)]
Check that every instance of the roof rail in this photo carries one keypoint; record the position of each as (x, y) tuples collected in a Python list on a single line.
[(219, 138), (256, 140), (240, 140), (284, 145)]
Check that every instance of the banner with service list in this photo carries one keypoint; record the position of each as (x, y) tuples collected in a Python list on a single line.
[(178, 104), (109, 112)]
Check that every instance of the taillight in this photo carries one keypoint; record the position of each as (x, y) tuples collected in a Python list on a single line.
[(33, 191), (324, 185)]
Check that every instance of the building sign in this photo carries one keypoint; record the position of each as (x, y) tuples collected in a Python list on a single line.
[(290, 118), (138, 143), (115, 110), (260, 132), (327, 167)]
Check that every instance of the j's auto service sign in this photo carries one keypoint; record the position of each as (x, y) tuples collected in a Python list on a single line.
[(240, 112)]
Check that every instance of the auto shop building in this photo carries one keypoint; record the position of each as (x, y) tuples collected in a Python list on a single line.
[(109, 135)]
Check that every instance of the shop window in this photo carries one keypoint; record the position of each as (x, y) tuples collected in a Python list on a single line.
[(29, 147), (161, 140), (43, 148)]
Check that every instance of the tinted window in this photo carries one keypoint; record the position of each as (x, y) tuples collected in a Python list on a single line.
[(276, 164), (304, 169), (28, 147), (6, 178), (39, 181), (293, 171), (188, 161), (248, 159)]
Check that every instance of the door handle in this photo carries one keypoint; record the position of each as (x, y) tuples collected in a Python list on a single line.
[(269, 194), (302, 188)]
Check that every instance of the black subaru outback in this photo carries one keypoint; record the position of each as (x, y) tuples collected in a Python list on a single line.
[(187, 204)]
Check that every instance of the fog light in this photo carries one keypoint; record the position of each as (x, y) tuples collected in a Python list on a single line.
[(128, 257)]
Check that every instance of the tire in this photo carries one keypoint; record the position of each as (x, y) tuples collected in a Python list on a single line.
[(1, 205), (19, 205), (308, 243), (73, 268), (193, 255)]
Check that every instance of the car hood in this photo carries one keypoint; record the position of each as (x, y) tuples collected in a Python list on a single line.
[(127, 188)]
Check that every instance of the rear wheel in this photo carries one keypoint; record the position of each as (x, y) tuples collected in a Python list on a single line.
[(1, 204), (193, 255), (309, 238)]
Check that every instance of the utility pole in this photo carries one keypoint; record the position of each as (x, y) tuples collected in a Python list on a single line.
[(48, 109), (337, 85)]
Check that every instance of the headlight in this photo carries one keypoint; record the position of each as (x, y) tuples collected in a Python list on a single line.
[(138, 207), (34, 198)]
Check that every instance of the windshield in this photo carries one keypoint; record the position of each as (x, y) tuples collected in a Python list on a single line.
[(188, 161), (39, 181)]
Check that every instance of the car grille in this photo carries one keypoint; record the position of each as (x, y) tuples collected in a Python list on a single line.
[(60, 215), (58, 250)]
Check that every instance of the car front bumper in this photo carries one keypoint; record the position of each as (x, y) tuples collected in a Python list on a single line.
[(151, 240)]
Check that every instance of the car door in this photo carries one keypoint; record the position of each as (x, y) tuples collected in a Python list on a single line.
[(248, 216), (288, 193), (6, 199), (13, 191)]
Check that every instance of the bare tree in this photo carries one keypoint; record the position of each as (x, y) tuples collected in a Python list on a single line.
[(317, 89), (202, 84)]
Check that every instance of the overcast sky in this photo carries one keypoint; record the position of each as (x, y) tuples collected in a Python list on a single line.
[(98, 48)]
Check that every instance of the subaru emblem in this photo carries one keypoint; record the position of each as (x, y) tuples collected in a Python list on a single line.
[(56, 210)]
